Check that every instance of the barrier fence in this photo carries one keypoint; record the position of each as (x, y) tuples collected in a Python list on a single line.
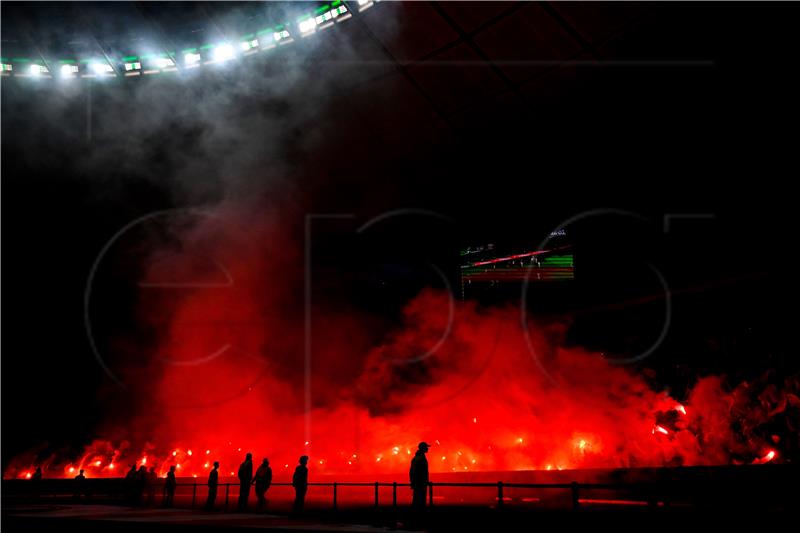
[(702, 491), (496, 493)]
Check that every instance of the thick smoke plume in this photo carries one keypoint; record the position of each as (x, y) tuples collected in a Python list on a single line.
[(225, 375)]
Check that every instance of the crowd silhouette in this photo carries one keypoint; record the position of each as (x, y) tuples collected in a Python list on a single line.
[(140, 484)]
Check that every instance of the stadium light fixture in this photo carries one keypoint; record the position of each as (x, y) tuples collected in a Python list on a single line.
[(101, 69), (249, 44), (223, 52), (164, 62), (132, 64), (69, 71), (307, 26), (192, 59), (281, 36), (35, 70)]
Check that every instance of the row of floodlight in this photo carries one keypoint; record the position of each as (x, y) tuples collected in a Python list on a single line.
[(266, 39)]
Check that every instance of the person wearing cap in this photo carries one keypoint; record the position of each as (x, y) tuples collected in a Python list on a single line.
[(300, 484), (418, 475)]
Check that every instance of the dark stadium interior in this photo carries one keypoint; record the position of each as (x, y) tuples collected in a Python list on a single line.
[(659, 136)]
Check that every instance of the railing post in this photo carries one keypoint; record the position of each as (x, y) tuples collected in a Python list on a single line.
[(499, 494), (227, 491), (194, 493), (334, 495), (376, 494), (576, 503), (394, 495), (430, 494)]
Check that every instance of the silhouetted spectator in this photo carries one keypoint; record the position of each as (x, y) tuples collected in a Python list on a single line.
[(152, 481), (213, 481), (36, 480), (140, 485), (80, 485), (262, 481), (418, 475), (300, 484), (130, 484), (245, 478), (169, 487)]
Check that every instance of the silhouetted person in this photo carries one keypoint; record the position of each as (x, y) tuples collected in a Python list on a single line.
[(80, 485), (36, 481), (130, 484), (140, 483), (213, 481), (262, 481), (418, 475), (169, 487), (300, 484), (152, 481), (245, 478)]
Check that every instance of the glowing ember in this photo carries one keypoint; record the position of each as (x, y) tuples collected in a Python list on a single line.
[(208, 452), (770, 456), (189, 452)]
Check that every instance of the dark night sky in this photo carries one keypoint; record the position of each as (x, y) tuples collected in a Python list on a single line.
[(507, 165)]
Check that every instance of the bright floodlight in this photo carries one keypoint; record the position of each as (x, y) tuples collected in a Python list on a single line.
[(307, 25), (37, 69), (191, 58), (164, 62), (68, 71), (223, 52), (101, 68), (249, 44)]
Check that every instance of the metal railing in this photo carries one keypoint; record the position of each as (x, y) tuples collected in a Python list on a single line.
[(119, 488)]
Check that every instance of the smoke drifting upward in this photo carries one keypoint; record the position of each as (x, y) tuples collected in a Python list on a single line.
[(225, 375), (213, 356)]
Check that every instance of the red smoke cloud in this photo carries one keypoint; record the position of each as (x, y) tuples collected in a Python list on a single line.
[(226, 376)]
